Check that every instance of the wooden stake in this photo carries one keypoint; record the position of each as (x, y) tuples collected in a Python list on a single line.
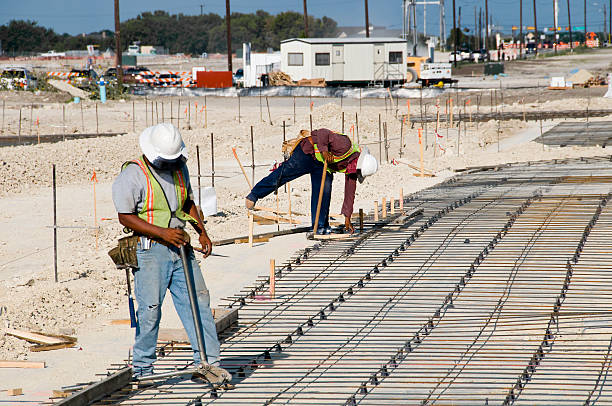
[(310, 122), (384, 208), (401, 148), (421, 151), (133, 116), (252, 158), (260, 106), (293, 109), (212, 159), (361, 220), (342, 121), (94, 180), (19, 133), (357, 126), (199, 177), (392, 205), (379, 139), (189, 115), (146, 112), (321, 189), (242, 168), (269, 115), (31, 114), (54, 224), (272, 279), (238, 109), (178, 115), (97, 122), (63, 121), (386, 142), (401, 200), (3, 108), (450, 109)]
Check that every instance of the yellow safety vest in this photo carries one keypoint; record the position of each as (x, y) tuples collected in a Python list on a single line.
[(156, 209), (354, 148)]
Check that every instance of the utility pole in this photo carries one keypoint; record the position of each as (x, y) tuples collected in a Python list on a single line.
[(118, 52), (521, 29), (305, 20), (535, 27), (585, 21), (569, 18), (487, 24), (367, 19), (455, 36), (555, 25), (605, 21), (480, 28), (414, 31), (229, 35), (475, 29), (201, 9)]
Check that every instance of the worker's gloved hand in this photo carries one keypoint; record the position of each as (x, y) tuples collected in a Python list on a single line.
[(329, 158), (174, 236), (348, 226), (206, 244)]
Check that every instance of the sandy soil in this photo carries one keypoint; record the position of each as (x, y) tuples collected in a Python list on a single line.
[(91, 292)]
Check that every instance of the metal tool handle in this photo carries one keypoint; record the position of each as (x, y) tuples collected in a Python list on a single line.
[(194, 303)]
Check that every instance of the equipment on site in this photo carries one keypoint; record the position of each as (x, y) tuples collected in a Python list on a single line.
[(130, 299), (428, 73), (213, 374)]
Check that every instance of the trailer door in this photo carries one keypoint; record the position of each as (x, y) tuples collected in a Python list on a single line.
[(379, 62), (338, 62)]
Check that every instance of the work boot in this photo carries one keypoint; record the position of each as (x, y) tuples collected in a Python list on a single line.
[(140, 374), (199, 378)]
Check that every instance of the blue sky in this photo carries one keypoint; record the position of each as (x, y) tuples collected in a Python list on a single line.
[(77, 16)]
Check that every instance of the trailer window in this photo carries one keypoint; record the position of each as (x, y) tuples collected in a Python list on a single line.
[(322, 59), (296, 59), (395, 57)]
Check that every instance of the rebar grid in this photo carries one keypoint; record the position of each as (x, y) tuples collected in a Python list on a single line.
[(499, 293)]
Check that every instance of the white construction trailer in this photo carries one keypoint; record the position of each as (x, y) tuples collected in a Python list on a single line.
[(346, 61)]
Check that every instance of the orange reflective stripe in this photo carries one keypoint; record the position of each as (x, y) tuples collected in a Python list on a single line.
[(149, 197), (179, 174)]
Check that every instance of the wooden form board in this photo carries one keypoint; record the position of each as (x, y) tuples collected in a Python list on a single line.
[(22, 364)]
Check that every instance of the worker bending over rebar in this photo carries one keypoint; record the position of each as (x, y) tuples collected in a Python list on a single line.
[(309, 152)]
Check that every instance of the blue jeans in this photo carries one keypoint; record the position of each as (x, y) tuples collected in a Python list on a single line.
[(297, 165), (161, 268)]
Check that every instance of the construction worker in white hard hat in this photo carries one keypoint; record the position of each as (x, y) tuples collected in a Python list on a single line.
[(153, 197), (307, 157)]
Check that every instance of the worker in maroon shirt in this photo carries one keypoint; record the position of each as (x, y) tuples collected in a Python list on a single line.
[(308, 157)]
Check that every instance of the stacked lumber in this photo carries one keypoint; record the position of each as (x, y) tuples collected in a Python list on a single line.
[(319, 82), (280, 79)]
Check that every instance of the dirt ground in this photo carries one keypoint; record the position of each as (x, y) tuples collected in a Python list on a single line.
[(90, 292)]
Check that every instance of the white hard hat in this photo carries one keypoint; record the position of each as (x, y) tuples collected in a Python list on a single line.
[(366, 164), (162, 141)]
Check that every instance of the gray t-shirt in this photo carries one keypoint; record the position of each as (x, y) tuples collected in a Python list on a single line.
[(130, 191)]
